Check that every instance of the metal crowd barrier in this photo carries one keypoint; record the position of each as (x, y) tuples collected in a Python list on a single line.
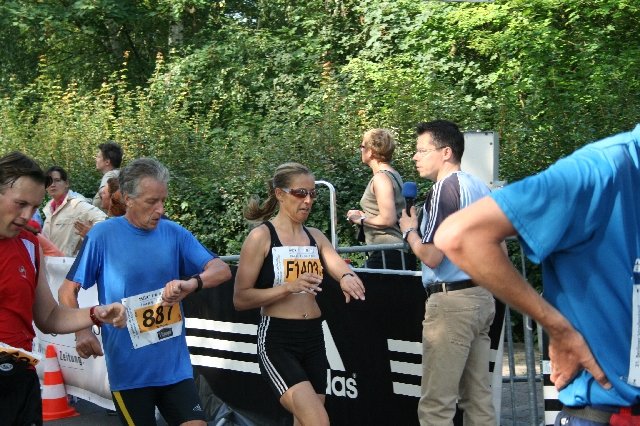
[(532, 378)]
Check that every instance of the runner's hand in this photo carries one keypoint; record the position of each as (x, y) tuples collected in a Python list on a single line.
[(352, 287), (87, 344), (113, 314), (569, 354), (306, 283), (176, 290)]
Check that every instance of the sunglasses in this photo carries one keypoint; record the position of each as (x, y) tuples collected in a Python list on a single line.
[(301, 192)]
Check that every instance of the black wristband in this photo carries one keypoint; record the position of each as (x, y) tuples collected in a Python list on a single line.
[(345, 274), (200, 283)]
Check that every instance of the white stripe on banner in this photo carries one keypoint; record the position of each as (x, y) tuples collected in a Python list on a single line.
[(223, 326), (405, 346), (402, 367), (406, 368), (550, 417), (222, 345), (54, 391), (227, 364), (550, 392), (333, 356), (406, 389)]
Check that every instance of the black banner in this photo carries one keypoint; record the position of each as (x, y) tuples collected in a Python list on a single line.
[(373, 347)]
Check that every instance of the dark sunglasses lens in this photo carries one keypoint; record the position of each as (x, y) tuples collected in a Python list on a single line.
[(302, 193)]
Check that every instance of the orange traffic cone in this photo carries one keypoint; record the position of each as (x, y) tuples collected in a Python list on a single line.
[(55, 404)]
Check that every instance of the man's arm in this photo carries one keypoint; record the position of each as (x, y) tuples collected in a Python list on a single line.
[(87, 343), (215, 273), (428, 253), (472, 239), (50, 317)]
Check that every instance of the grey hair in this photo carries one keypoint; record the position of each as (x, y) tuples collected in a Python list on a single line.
[(131, 175)]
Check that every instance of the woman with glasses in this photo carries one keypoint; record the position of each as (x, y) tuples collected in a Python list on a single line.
[(66, 213), (281, 269), (381, 203)]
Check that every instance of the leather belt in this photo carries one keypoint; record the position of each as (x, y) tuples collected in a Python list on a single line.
[(601, 414), (448, 286)]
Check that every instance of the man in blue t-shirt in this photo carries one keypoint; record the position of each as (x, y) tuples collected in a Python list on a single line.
[(150, 264), (458, 314), (581, 219)]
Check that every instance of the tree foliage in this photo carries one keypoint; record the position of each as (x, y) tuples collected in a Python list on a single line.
[(223, 91)]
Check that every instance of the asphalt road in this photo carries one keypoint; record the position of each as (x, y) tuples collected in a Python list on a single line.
[(91, 414)]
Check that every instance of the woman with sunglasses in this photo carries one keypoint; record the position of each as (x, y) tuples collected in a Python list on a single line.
[(281, 268), (381, 203)]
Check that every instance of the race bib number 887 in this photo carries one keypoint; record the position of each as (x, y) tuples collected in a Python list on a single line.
[(148, 321)]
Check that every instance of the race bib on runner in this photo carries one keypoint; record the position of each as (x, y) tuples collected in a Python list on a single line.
[(19, 354), (291, 262), (148, 321), (634, 355)]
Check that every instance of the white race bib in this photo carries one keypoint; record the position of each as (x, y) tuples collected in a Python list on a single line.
[(634, 354), (19, 354), (148, 321), (291, 262)]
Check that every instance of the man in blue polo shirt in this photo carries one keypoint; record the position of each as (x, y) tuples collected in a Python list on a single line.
[(458, 314), (581, 219), (150, 264)]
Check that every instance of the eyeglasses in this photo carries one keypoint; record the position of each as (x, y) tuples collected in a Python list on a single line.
[(301, 192), (427, 151)]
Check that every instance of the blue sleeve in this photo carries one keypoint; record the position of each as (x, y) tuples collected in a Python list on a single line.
[(554, 210), (194, 256), (85, 269)]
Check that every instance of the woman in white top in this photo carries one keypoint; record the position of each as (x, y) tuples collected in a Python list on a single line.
[(66, 209)]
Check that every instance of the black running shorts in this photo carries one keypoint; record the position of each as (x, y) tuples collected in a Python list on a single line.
[(178, 403), (291, 352)]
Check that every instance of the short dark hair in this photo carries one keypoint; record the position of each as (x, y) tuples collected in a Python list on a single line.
[(444, 133), (113, 152), (15, 165), (63, 175)]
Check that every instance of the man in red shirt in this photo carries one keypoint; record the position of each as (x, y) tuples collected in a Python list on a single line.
[(25, 296)]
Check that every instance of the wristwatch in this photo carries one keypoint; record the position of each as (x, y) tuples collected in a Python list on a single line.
[(406, 233)]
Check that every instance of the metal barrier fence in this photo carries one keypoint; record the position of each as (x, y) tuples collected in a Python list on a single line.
[(528, 413), (525, 389)]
